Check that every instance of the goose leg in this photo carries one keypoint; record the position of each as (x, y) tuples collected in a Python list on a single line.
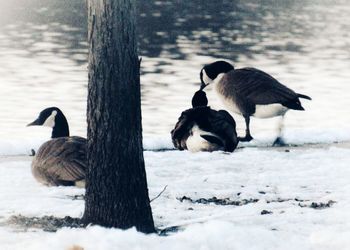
[(247, 137), (279, 142)]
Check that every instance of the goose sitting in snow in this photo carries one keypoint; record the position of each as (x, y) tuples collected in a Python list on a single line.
[(251, 92), (61, 160), (204, 129)]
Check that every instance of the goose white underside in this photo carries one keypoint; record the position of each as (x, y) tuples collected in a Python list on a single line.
[(261, 111), (196, 143), (269, 110)]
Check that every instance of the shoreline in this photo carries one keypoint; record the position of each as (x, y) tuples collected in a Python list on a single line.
[(307, 146)]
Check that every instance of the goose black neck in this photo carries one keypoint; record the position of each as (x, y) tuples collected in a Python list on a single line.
[(61, 128)]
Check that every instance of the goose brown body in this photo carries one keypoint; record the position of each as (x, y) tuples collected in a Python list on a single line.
[(61, 161)]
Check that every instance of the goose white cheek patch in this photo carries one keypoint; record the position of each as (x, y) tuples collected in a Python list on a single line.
[(206, 78), (50, 121)]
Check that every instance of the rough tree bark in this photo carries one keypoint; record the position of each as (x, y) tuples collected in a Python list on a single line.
[(116, 187)]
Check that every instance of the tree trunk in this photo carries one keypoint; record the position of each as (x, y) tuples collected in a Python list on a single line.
[(116, 186)]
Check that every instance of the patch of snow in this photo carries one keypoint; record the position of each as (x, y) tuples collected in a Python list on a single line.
[(20, 147), (158, 143), (20, 193), (298, 177), (210, 235)]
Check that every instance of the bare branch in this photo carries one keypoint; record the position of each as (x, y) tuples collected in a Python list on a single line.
[(159, 194)]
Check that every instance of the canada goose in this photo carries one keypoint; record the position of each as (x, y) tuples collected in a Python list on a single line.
[(204, 129), (61, 160), (251, 92)]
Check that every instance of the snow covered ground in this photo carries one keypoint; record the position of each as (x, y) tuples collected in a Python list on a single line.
[(284, 183)]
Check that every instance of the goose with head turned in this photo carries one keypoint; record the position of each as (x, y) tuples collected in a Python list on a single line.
[(60, 161), (204, 129), (251, 92)]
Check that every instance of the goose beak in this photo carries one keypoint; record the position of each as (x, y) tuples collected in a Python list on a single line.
[(34, 123), (203, 85)]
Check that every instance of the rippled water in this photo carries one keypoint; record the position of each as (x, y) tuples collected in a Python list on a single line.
[(304, 44)]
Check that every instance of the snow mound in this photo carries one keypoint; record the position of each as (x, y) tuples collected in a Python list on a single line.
[(209, 235)]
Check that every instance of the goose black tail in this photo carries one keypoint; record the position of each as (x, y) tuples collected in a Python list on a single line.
[(304, 96), (65, 183)]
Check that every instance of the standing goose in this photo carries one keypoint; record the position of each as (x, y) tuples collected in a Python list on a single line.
[(204, 129), (251, 92), (62, 160)]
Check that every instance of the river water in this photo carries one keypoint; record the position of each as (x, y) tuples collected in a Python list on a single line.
[(303, 43)]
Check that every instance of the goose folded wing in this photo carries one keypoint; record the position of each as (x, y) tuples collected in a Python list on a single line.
[(182, 128), (260, 88), (67, 171), (225, 126), (69, 161)]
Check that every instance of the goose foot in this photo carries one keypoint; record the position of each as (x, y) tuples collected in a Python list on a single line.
[(247, 138), (279, 142)]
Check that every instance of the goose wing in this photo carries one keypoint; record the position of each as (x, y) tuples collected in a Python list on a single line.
[(61, 160), (259, 87), (182, 129), (224, 126)]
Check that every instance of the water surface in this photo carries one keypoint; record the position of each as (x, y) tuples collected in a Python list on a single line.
[(304, 44)]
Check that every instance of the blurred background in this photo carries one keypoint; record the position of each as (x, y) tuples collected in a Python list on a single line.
[(305, 44)]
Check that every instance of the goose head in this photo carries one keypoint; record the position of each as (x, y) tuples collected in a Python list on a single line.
[(55, 119), (210, 72)]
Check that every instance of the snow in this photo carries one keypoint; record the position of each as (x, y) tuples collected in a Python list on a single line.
[(211, 235), (273, 176)]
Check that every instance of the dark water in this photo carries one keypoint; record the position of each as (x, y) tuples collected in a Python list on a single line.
[(304, 44)]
